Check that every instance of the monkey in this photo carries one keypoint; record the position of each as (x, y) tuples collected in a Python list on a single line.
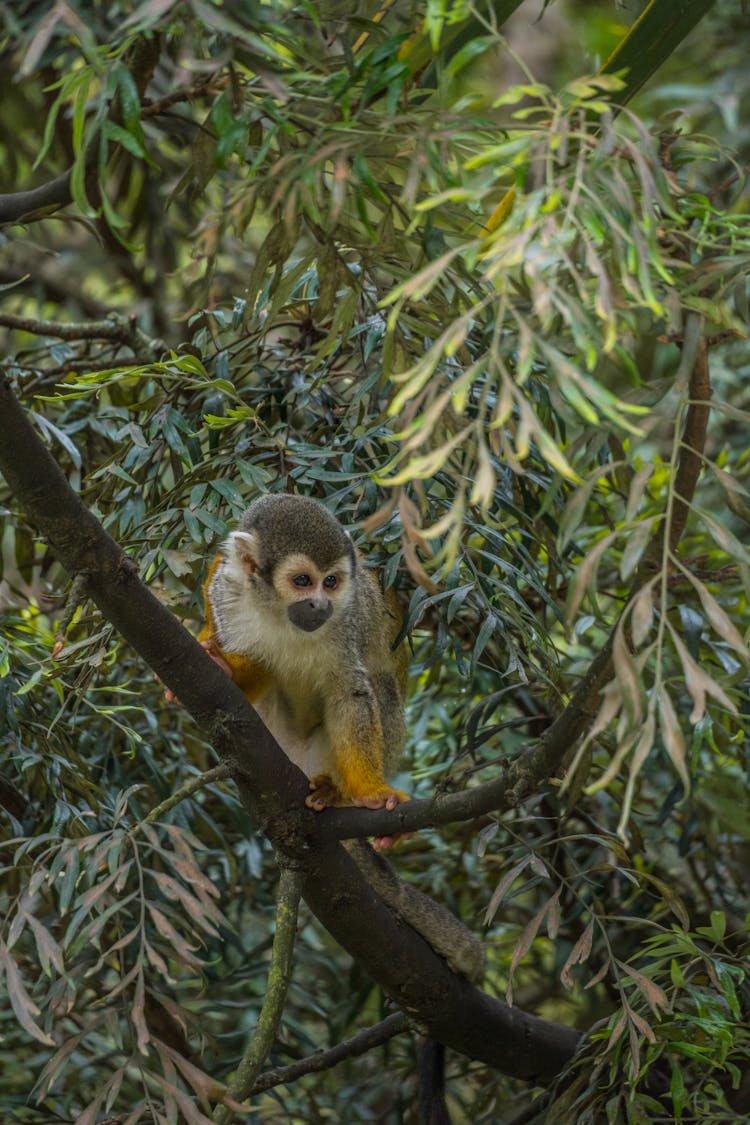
[(301, 626), (304, 630)]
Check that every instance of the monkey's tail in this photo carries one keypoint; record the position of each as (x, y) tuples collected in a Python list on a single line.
[(432, 1106)]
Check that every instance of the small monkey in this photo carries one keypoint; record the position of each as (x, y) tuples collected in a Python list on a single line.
[(304, 630)]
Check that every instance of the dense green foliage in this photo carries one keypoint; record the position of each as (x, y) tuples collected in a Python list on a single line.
[(333, 253)]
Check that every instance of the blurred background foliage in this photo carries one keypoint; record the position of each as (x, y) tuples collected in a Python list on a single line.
[(407, 259)]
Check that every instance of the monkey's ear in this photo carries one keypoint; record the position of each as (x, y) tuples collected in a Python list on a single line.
[(242, 547)]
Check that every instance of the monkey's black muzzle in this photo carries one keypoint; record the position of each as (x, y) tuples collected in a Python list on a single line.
[(309, 615)]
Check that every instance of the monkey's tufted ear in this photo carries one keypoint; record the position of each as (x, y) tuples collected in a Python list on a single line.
[(242, 547)]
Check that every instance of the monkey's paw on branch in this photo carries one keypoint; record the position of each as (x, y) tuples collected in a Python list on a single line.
[(325, 794)]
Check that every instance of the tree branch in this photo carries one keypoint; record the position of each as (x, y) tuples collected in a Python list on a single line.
[(35, 202), (19, 205), (359, 1044), (115, 327), (693, 444), (273, 789), (279, 975), (516, 782)]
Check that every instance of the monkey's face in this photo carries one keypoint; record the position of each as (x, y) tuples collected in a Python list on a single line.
[(292, 589), (310, 593)]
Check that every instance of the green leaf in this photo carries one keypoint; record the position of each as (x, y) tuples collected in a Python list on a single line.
[(655, 35)]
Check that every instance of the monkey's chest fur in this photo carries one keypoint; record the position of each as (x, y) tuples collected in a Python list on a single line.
[(302, 669)]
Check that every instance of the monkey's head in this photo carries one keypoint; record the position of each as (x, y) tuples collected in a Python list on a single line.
[(296, 557)]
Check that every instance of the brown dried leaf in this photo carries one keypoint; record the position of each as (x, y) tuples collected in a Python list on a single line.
[(157, 961), (524, 943), (578, 954), (182, 948), (655, 995), (500, 890), (23, 1006), (187, 1107), (191, 873), (635, 543), (138, 1014), (674, 740), (636, 490), (90, 1113), (635, 1047), (599, 976), (50, 953), (203, 1084), (53, 1066), (379, 518), (698, 682), (574, 511), (618, 1029), (585, 576), (483, 489), (642, 613), (719, 619), (642, 1025), (627, 677), (538, 866)]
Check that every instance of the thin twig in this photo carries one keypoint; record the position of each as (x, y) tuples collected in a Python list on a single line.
[(279, 975), (217, 773), (115, 327), (359, 1044), (153, 108)]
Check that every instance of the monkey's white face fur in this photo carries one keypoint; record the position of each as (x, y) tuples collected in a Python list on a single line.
[(281, 613)]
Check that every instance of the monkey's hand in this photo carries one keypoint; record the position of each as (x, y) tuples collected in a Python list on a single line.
[(324, 793), (213, 652)]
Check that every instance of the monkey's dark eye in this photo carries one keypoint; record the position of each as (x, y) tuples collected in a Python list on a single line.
[(330, 582), (302, 580)]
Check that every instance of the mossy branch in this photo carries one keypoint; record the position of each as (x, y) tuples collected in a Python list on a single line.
[(279, 975)]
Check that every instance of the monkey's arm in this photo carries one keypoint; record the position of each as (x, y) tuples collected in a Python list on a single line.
[(251, 677)]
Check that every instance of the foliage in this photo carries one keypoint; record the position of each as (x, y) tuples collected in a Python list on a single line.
[(469, 317)]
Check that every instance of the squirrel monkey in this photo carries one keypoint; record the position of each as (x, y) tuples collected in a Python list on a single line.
[(304, 630)]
